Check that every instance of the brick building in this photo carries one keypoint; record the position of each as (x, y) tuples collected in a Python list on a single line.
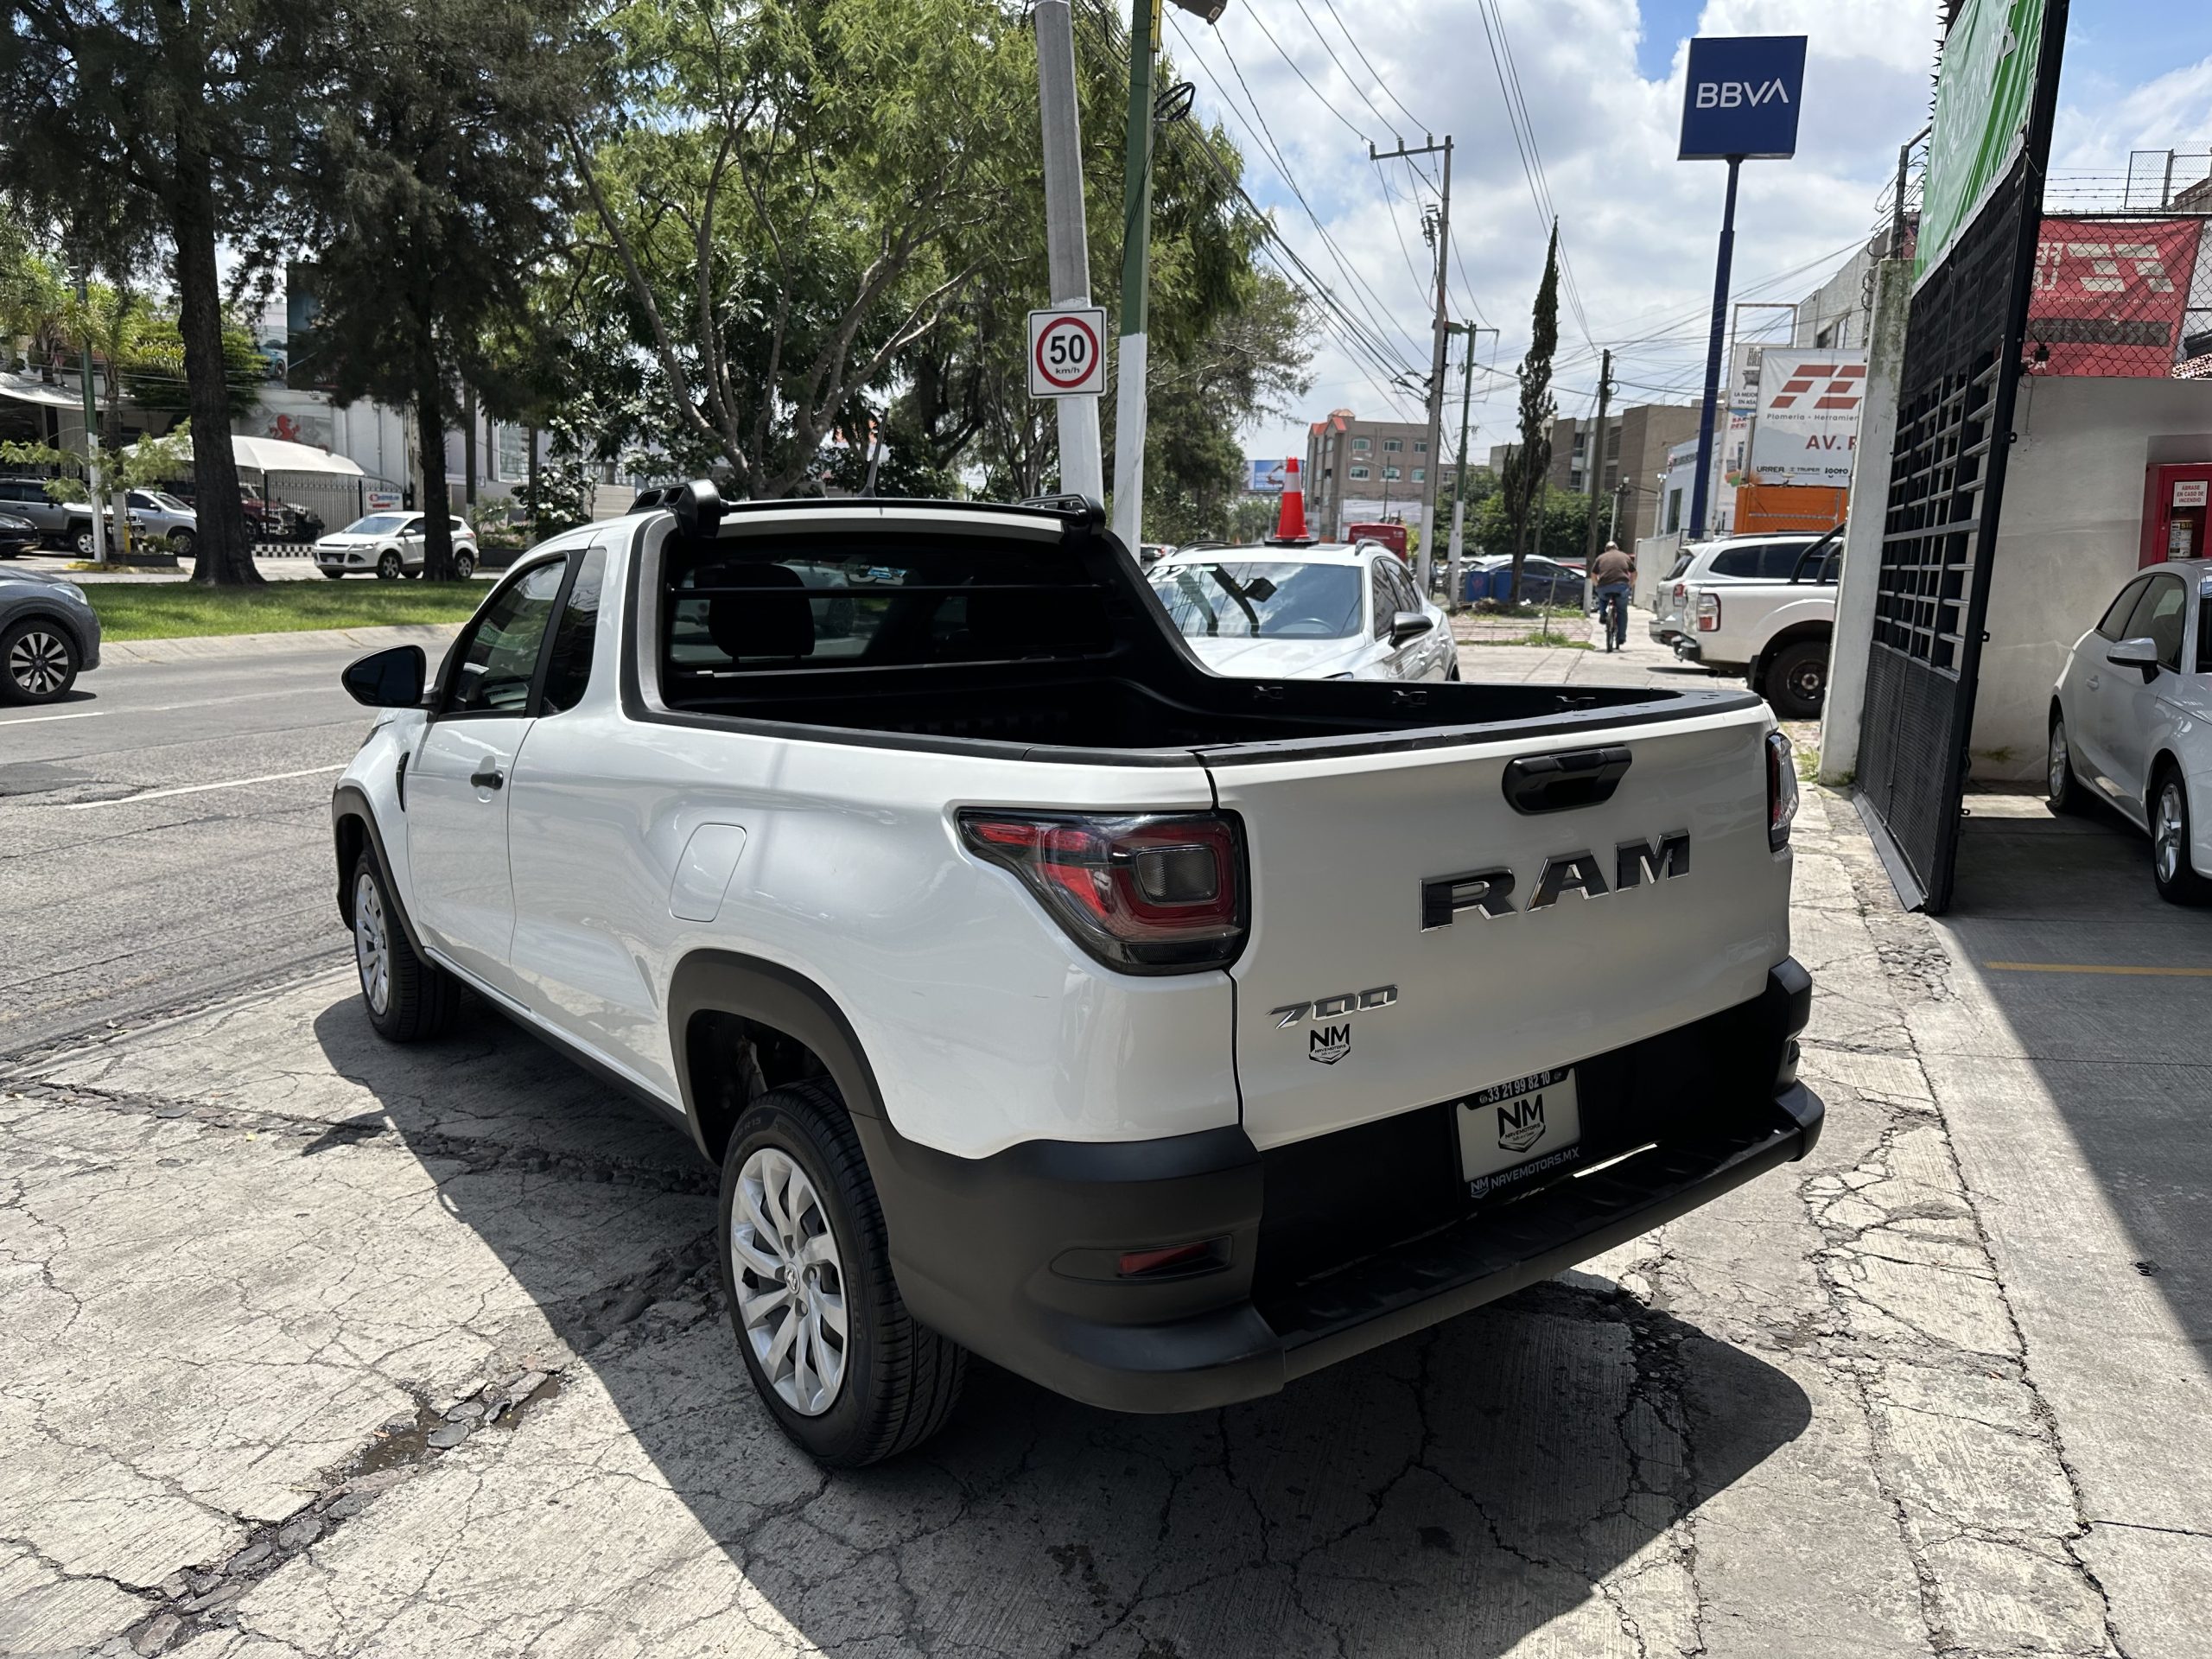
[(1360, 471)]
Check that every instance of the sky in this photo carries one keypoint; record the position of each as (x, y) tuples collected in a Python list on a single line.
[(1305, 85)]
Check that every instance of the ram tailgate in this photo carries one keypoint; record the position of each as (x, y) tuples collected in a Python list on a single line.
[(1465, 915)]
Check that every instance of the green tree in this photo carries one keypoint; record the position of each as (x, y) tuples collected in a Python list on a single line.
[(437, 187), (1525, 470), (118, 115), (1558, 521)]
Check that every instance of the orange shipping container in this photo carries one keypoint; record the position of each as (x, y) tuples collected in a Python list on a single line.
[(1762, 509)]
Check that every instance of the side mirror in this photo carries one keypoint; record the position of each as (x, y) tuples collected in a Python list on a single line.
[(2141, 653), (1410, 625), (387, 679)]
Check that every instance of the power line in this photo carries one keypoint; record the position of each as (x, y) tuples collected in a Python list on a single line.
[(1352, 41)]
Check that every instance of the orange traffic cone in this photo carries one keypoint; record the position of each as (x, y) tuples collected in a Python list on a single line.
[(1291, 527)]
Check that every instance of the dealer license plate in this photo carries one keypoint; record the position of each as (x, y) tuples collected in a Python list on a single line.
[(1518, 1132)]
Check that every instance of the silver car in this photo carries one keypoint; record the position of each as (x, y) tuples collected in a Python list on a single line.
[(49, 633), (389, 545)]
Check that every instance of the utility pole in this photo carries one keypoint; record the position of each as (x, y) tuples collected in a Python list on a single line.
[(91, 420), (1441, 236), (1136, 251), (1460, 484), (1067, 247), (1702, 488), (1594, 470)]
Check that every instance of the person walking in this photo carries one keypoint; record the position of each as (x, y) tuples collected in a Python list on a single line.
[(1614, 575)]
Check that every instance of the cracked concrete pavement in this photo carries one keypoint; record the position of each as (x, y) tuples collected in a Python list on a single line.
[(311, 1345)]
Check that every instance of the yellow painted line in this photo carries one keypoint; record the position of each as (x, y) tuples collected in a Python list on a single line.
[(2099, 968)]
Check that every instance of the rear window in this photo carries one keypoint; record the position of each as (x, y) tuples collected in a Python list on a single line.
[(1760, 561), (1263, 599), (1682, 561), (827, 602)]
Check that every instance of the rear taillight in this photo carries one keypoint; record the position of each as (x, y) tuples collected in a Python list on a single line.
[(1151, 894), (1708, 612), (1681, 592), (1780, 790)]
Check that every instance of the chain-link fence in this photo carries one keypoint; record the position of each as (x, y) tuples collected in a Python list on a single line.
[(2122, 296)]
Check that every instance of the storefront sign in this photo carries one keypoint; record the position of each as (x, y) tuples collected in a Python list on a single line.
[(1807, 425), (2108, 295), (1982, 91), (1740, 98)]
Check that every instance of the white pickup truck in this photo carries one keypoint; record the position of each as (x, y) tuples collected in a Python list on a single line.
[(1160, 1036), (1775, 633)]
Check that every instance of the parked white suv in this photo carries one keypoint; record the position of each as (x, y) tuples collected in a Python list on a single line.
[(2131, 721), (1714, 564), (389, 545), (1160, 1036)]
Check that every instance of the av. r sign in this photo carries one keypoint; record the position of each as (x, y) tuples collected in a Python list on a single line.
[(1741, 96), (1066, 352)]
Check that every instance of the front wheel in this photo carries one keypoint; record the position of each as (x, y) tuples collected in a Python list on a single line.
[(409, 1000), (806, 1267), (180, 544), (464, 565), (81, 539), (1797, 679), (38, 662), (388, 565), (2178, 882)]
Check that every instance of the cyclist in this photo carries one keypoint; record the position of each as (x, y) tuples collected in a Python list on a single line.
[(1613, 576)]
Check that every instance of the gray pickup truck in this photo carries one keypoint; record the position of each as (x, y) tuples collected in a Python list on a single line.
[(58, 523)]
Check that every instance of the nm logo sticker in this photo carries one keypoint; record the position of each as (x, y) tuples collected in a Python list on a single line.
[(1328, 1044), (1521, 1124)]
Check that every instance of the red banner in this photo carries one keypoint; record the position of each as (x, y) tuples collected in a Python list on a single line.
[(2108, 295)]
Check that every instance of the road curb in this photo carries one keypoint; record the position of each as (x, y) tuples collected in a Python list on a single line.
[(431, 636)]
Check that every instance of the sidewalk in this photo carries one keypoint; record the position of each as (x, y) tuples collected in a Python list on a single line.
[(1579, 659), (433, 636)]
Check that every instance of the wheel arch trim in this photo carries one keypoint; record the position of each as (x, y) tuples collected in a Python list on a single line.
[(350, 803)]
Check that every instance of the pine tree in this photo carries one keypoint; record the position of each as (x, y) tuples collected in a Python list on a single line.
[(1537, 411)]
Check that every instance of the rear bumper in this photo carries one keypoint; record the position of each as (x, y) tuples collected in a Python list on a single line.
[(1014, 1256)]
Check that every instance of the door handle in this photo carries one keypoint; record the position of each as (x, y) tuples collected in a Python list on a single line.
[(486, 776), (2093, 682)]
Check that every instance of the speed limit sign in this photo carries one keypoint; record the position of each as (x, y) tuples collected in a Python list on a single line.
[(1067, 357)]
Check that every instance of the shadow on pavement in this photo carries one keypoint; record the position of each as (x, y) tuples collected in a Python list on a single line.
[(2125, 1057), (1455, 1491)]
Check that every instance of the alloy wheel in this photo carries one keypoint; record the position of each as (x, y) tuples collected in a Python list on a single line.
[(791, 1282), (2058, 772), (39, 662), (2169, 830), (372, 943)]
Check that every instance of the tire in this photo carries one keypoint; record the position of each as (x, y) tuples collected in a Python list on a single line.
[(388, 567), (897, 1382), (415, 1000), (80, 538), (38, 661), (464, 565), (2062, 790), (1797, 679), (2178, 880), (180, 543)]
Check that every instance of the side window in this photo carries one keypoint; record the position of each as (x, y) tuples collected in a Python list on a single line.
[(498, 657), (568, 670), (1404, 596), (2116, 615), (1385, 604), (2162, 615), (1778, 560), (1737, 561)]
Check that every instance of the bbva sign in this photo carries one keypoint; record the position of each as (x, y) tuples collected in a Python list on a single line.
[(1741, 97)]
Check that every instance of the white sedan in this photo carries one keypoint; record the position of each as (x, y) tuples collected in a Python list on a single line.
[(2131, 721), (391, 545), (1319, 612)]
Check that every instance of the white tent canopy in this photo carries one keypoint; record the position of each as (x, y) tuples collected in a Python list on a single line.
[(275, 455)]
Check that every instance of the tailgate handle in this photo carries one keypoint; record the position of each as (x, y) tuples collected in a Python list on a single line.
[(1556, 782)]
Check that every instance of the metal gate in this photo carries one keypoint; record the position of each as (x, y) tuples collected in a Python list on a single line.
[(1947, 481)]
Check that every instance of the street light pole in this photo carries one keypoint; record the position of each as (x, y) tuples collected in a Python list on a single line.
[(1067, 246), (1136, 248), (92, 419)]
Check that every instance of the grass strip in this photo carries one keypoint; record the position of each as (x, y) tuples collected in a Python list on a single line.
[(172, 610)]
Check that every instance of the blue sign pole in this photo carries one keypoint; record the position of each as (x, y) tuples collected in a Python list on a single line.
[(1702, 487), (1740, 102)]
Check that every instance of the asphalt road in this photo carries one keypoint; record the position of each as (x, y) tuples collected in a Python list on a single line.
[(164, 838)]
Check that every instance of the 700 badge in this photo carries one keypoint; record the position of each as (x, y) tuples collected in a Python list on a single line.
[(1067, 357)]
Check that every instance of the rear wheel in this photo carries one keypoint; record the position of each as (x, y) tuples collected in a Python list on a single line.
[(38, 662), (388, 565), (2061, 789), (1797, 679), (806, 1267), (2178, 882), (180, 544), (464, 565), (80, 537), (409, 1000)]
